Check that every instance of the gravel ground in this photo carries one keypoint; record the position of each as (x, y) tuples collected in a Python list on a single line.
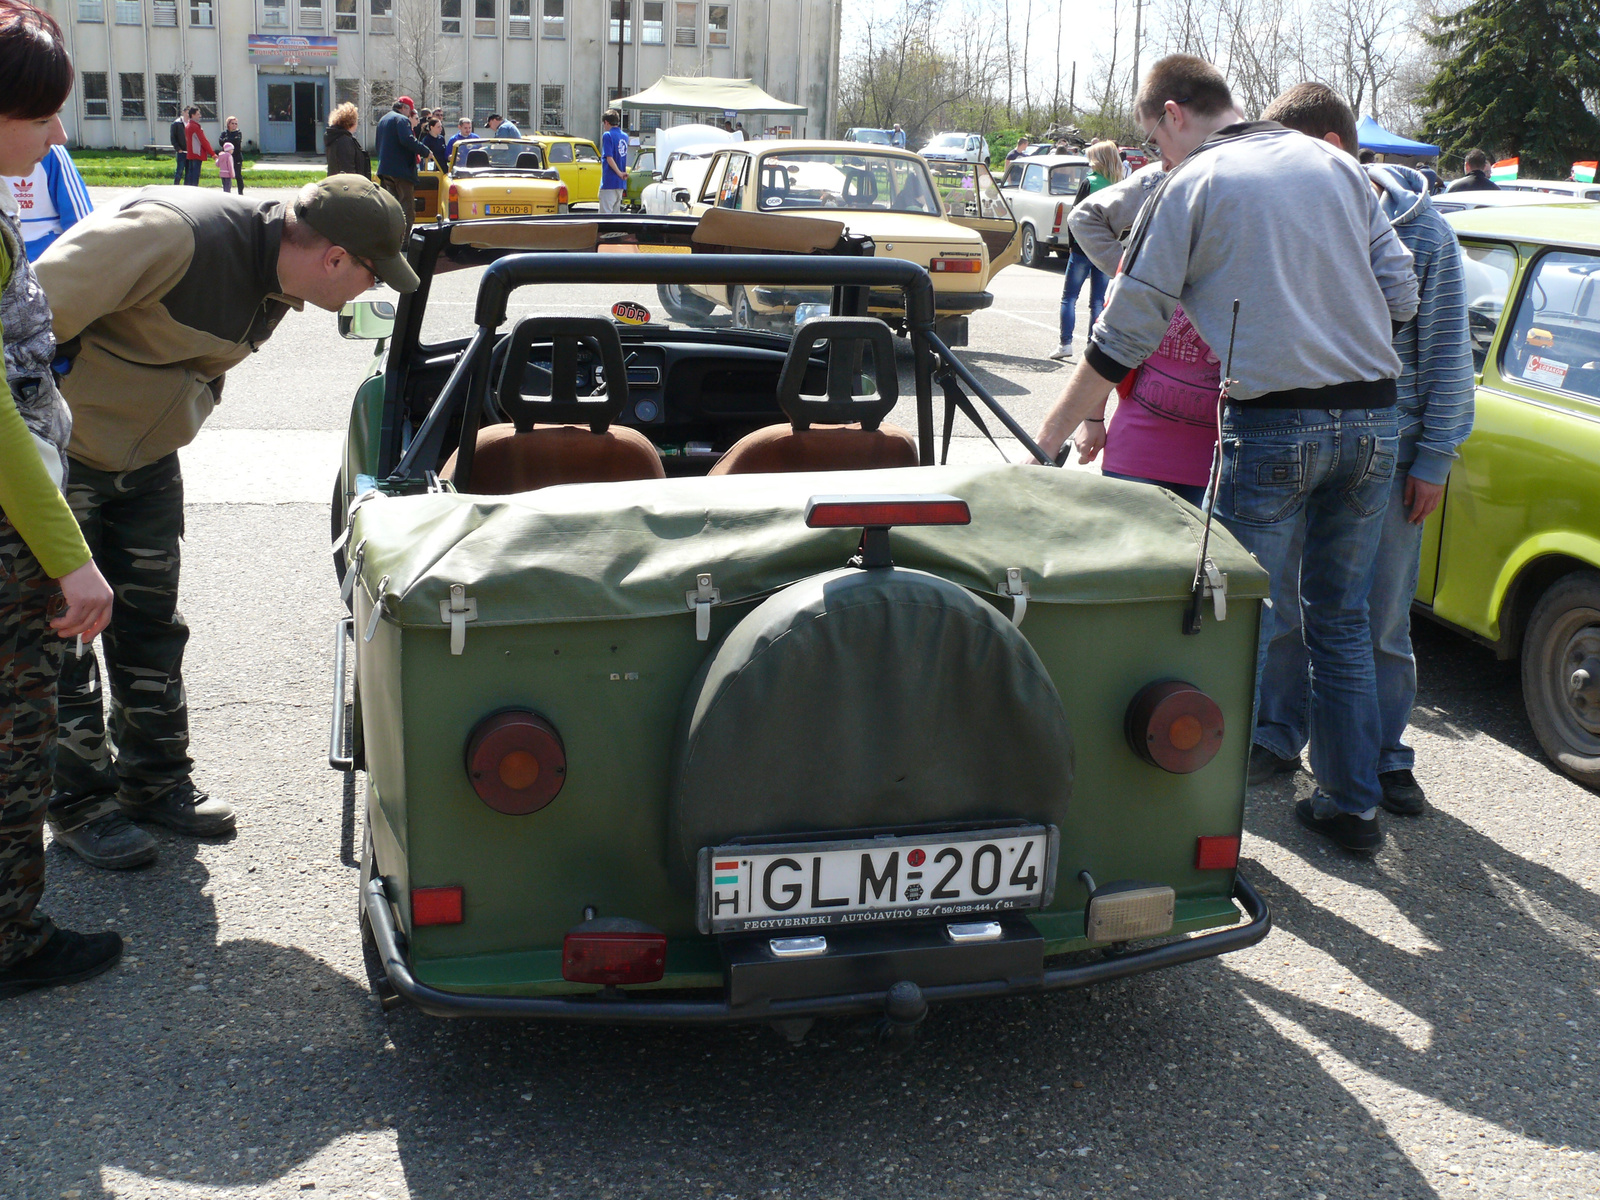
[(1422, 1024)]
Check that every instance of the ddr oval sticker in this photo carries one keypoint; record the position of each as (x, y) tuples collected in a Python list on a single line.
[(630, 313)]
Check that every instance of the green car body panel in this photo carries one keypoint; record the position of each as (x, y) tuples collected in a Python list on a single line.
[(581, 617), (1522, 493)]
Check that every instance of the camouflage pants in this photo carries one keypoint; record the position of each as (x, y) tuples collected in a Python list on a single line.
[(132, 521), (30, 656)]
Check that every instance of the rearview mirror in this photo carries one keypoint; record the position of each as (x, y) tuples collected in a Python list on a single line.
[(366, 320)]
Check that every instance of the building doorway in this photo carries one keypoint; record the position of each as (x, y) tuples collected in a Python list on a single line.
[(293, 109)]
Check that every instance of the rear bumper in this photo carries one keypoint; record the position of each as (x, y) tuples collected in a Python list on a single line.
[(636, 1008)]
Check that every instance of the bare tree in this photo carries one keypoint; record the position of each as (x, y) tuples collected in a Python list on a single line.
[(422, 54)]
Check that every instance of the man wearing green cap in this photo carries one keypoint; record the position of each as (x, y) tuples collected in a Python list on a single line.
[(155, 299)]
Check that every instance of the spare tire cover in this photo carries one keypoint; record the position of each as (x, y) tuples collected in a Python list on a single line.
[(863, 699)]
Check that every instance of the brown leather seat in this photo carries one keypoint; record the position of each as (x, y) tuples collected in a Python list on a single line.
[(839, 431), (507, 461), (576, 442), (820, 448)]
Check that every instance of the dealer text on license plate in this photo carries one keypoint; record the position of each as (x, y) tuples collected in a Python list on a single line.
[(787, 886), (508, 210)]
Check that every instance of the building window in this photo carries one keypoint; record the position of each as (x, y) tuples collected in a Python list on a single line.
[(382, 98), (164, 12), (555, 19), (649, 121), (132, 88), (484, 98), (716, 24), (128, 13), (380, 17), (96, 102), (617, 21), (347, 91), (552, 107), (519, 105), (200, 14), (169, 96), (205, 96), (483, 24), (450, 101), (92, 10), (686, 25), (519, 18), (280, 103), (272, 14), (652, 25), (450, 16), (344, 16), (310, 14)]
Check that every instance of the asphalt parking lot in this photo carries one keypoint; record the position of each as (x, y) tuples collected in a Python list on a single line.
[(1422, 1024)]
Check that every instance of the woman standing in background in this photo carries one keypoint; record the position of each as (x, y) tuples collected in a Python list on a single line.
[(1106, 169), (234, 136)]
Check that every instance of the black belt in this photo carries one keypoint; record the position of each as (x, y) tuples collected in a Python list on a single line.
[(1375, 393)]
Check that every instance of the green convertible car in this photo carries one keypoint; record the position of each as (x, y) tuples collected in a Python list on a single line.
[(1512, 556), (689, 687)]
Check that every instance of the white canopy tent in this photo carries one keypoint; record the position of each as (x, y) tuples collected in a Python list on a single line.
[(685, 93)]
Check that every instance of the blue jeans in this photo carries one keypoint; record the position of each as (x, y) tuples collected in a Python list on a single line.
[(191, 173), (1080, 268), (178, 168), (1286, 680), (1194, 493), (1318, 479)]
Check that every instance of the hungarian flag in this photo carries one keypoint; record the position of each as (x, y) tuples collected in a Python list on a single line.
[(1583, 172), (1503, 170)]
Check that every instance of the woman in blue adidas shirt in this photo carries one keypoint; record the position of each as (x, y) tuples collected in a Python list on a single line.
[(50, 201)]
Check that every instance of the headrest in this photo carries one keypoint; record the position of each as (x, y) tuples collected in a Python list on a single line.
[(847, 337), (477, 158), (529, 159), (562, 406)]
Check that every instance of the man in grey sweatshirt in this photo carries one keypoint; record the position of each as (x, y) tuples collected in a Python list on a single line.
[(1289, 227)]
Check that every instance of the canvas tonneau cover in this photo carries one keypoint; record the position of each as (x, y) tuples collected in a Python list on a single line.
[(606, 551)]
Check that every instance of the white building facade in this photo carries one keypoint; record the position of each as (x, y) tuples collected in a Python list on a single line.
[(551, 65)]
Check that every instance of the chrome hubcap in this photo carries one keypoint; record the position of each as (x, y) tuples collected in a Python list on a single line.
[(1581, 669)]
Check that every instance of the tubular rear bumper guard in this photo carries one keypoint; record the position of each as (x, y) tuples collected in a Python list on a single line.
[(635, 1008)]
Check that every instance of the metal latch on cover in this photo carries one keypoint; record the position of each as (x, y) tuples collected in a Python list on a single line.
[(700, 601), (1216, 586), (1014, 586), (456, 612)]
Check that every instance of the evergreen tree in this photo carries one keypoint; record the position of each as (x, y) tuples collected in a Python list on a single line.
[(1514, 82)]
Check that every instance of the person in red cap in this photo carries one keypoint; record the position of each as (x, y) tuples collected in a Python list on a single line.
[(398, 151)]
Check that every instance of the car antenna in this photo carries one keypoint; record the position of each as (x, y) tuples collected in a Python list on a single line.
[(1205, 571)]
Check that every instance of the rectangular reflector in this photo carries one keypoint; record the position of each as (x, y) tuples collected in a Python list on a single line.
[(436, 906), (838, 512), (1123, 916), (961, 266), (1216, 853), (613, 957)]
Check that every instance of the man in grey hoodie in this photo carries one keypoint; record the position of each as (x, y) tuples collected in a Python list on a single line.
[(1289, 227), (1435, 392)]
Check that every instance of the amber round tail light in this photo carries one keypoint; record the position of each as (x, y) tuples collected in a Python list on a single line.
[(1175, 726), (516, 762)]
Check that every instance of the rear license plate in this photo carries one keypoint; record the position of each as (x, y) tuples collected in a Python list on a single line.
[(508, 210), (788, 886)]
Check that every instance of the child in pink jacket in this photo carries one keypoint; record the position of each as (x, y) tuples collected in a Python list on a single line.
[(225, 165)]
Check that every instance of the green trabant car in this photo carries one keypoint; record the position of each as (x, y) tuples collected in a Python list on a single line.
[(1512, 556), (689, 687)]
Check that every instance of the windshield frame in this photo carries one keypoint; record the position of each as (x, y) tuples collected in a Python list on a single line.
[(910, 165)]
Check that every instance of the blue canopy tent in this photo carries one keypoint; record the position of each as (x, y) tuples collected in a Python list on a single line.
[(1379, 140)]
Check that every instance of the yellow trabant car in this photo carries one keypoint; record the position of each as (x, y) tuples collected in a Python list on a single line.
[(491, 177), (961, 234), (576, 160)]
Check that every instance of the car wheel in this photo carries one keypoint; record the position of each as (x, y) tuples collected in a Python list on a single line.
[(744, 317), (1031, 257), (1561, 674), (338, 519), (683, 305)]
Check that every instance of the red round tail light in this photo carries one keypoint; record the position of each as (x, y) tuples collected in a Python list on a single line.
[(516, 762), (1175, 726)]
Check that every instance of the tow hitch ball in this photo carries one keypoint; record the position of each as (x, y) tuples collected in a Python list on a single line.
[(903, 1010)]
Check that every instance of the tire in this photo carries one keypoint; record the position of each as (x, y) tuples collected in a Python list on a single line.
[(1562, 639), (337, 512), (744, 316), (683, 306), (1033, 255)]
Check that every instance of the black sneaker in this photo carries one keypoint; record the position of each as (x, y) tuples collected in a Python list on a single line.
[(1345, 830), (1402, 794), (111, 842), (185, 809), (67, 957), (1265, 764)]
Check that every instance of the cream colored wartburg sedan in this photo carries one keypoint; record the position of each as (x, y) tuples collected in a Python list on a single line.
[(962, 231)]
